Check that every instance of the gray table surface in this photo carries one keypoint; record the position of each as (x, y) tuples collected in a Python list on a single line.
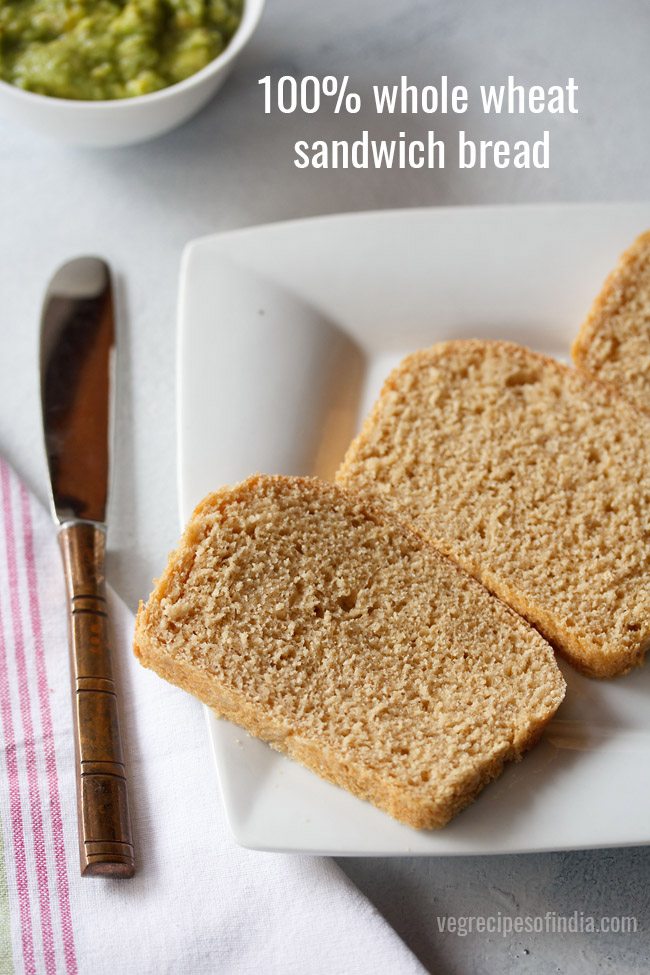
[(231, 167)]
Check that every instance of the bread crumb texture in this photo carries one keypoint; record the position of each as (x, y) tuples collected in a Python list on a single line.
[(533, 477), (614, 342), (324, 626)]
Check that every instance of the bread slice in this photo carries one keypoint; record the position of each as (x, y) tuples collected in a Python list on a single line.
[(322, 625), (614, 342), (535, 478)]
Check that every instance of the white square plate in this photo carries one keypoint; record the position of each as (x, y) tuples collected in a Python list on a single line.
[(285, 335)]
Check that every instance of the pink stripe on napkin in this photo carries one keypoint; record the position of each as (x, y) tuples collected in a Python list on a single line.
[(16, 813), (63, 887), (35, 808), (33, 873)]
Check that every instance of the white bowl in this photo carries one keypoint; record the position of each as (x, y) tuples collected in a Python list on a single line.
[(123, 121)]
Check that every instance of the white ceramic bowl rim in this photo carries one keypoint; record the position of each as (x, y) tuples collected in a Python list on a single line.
[(250, 17)]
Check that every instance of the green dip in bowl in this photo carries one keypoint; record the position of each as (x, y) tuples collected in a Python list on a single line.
[(96, 50)]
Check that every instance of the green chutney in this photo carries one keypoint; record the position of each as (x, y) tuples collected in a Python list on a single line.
[(103, 49)]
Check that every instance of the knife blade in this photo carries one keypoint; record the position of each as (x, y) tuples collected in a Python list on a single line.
[(77, 356)]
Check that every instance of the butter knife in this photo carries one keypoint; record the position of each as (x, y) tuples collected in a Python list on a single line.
[(77, 355)]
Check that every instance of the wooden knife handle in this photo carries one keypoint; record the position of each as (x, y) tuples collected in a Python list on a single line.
[(105, 840)]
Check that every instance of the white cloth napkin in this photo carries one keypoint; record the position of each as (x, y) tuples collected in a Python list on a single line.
[(198, 903)]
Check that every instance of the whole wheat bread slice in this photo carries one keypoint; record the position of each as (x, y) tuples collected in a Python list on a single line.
[(535, 478), (613, 344), (322, 625)]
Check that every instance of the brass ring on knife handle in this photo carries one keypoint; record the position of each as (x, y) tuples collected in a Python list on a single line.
[(105, 839)]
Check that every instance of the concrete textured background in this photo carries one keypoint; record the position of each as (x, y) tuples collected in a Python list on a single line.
[(230, 167)]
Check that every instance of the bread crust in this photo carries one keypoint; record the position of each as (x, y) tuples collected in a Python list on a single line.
[(599, 325)]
